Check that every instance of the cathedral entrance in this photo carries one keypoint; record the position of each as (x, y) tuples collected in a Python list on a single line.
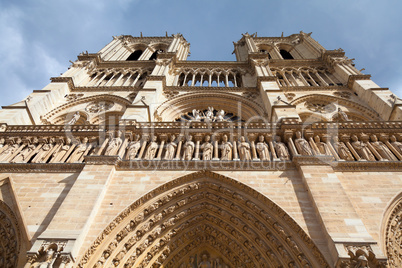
[(203, 220)]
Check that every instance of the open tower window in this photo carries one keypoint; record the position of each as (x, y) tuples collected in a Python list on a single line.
[(135, 55), (286, 55)]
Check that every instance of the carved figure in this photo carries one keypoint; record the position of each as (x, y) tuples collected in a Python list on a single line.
[(133, 148), (302, 145), (9, 151), (220, 116), (342, 150), (281, 149), (2, 140), (58, 154), (114, 144), (196, 115), (207, 148), (382, 149), (226, 151), (342, 115), (244, 149), (205, 263), (79, 151), (23, 154), (40, 157), (262, 148), (209, 115), (170, 148), (75, 118), (188, 148), (396, 144), (151, 149), (322, 146), (362, 149)]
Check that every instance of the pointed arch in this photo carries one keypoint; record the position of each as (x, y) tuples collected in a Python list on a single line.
[(391, 235), (199, 214)]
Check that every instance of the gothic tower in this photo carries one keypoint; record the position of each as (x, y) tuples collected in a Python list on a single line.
[(137, 157)]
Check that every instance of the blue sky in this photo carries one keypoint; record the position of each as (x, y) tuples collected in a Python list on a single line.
[(38, 38)]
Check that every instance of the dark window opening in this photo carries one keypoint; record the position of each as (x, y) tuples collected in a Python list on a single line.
[(286, 55), (135, 55)]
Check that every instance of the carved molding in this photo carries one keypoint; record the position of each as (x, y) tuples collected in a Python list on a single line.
[(10, 237), (233, 210)]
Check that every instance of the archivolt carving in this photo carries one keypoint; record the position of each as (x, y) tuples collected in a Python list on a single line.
[(392, 233), (245, 108), (361, 110), (10, 241), (203, 213), (61, 111)]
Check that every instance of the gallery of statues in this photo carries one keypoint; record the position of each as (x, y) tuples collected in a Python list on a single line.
[(288, 156)]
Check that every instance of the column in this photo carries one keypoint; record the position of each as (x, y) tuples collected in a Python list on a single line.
[(180, 139), (163, 138), (198, 139)]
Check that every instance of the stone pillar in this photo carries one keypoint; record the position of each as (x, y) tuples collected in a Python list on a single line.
[(163, 138), (197, 147)]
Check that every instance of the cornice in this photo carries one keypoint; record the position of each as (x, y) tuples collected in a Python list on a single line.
[(312, 88), (101, 159), (316, 160), (41, 167), (383, 166), (353, 78), (202, 165)]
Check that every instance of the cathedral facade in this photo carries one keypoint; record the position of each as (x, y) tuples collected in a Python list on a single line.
[(137, 157)]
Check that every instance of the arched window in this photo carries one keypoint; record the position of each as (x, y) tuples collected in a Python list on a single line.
[(286, 55), (135, 55)]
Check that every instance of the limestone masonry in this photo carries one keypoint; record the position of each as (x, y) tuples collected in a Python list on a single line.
[(136, 157)]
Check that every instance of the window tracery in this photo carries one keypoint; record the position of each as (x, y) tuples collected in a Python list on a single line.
[(304, 76), (209, 77)]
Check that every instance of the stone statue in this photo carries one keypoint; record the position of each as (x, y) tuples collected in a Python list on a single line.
[(151, 149), (114, 144), (170, 148), (362, 149), (9, 151), (302, 145), (79, 151), (382, 149), (133, 147), (262, 149), (59, 154), (244, 149), (207, 148), (209, 115), (21, 157), (342, 150), (281, 149), (396, 144), (188, 148), (196, 115), (2, 140), (226, 149), (75, 118), (40, 157), (342, 115), (205, 263), (220, 116), (322, 146)]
